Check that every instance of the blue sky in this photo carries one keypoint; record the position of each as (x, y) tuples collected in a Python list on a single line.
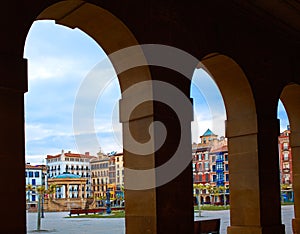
[(59, 59)]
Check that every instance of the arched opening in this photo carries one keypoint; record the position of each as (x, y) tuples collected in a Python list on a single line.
[(210, 151), (112, 35), (60, 58), (241, 133), (286, 168), (290, 97)]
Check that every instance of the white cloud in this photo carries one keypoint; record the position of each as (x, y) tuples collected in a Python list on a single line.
[(36, 159), (36, 132), (55, 68)]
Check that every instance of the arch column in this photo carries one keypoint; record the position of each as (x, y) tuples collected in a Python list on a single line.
[(254, 176), (290, 97), (13, 85), (161, 208), (253, 152), (295, 145)]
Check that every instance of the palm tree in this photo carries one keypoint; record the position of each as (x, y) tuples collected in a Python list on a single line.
[(29, 189), (41, 191), (222, 189), (51, 190), (200, 188), (214, 191), (226, 188)]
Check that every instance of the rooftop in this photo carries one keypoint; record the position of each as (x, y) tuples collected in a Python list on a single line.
[(67, 175), (209, 133)]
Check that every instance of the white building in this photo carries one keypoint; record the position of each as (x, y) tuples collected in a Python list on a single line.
[(35, 175), (71, 163), (100, 176), (119, 167)]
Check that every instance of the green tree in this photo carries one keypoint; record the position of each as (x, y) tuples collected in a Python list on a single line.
[(41, 192), (51, 190), (29, 189), (200, 188), (214, 192), (222, 191)]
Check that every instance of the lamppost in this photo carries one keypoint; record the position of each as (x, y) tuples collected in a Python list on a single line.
[(108, 209), (43, 216)]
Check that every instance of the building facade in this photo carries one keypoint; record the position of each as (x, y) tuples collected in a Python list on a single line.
[(71, 163), (286, 166), (107, 174), (35, 175), (285, 158), (100, 177), (210, 169)]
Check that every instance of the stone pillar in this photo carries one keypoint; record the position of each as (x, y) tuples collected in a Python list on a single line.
[(67, 190), (295, 145), (13, 85), (161, 200), (80, 190), (254, 176), (84, 192)]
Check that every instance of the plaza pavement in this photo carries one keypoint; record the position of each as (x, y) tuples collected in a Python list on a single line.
[(55, 222)]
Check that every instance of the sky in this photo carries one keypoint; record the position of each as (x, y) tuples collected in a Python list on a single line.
[(59, 60)]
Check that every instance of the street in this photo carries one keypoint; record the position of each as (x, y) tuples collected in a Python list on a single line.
[(55, 222)]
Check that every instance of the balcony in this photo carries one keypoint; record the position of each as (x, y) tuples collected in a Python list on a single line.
[(286, 170)]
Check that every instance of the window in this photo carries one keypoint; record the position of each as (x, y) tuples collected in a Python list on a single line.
[(33, 182), (206, 166), (286, 166), (214, 178), (37, 174), (207, 177), (25, 173), (219, 166), (285, 146), (206, 156), (226, 157), (213, 158), (286, 156), (30, 174)]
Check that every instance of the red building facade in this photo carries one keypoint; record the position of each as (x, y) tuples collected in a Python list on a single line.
[(285, 157)]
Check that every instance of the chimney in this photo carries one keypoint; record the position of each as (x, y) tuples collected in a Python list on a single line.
[(87, 153)]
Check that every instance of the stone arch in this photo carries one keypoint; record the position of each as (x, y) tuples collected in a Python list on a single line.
[(242, 133), (106, 29), (113, 35), (235, 90), (290, 98)]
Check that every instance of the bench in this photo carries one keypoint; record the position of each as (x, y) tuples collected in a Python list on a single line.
[(85, 211), (92, 211), (207, 226)]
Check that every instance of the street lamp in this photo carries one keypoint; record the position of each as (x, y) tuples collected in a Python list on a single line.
[(43, 216), (108, 209)]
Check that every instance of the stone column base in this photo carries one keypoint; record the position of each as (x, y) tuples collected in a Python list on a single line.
[(256, 230), (296, 226)]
